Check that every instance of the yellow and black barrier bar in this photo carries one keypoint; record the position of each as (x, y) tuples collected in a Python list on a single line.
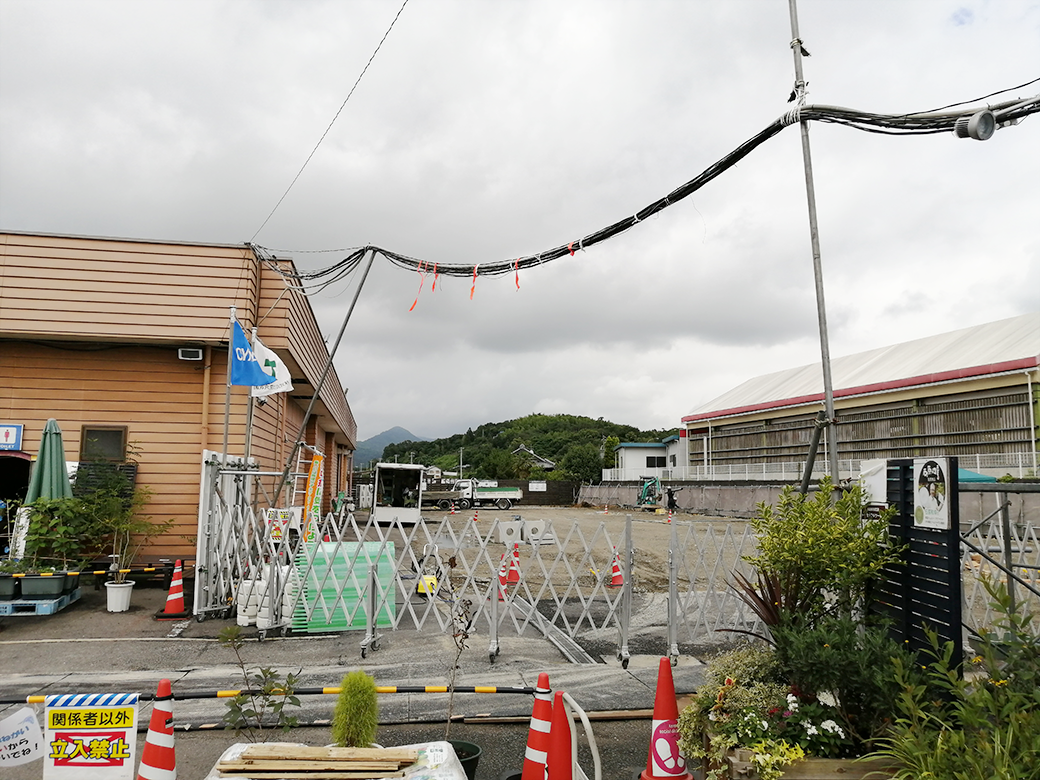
[(329, 690), (144, 569)]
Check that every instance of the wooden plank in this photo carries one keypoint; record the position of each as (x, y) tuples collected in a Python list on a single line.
[(402, 755), (252, 775)]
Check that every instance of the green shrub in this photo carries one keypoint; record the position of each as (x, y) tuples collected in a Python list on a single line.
[(356, 717), (981, 725)]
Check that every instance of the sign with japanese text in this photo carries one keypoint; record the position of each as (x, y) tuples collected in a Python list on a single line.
[(931, 507), (20, 739), (312, 502), (278, 521), (90, 736)]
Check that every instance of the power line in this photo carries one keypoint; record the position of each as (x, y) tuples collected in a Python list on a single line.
[(327, 129), (926, 123)]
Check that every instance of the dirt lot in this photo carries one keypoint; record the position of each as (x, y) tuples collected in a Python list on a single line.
[(587, 538)]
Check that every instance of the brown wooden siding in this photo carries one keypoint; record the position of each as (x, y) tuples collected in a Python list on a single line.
[(89, 330)]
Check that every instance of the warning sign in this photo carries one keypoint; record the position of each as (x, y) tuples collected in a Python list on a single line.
[(90, 735), (20, 739)]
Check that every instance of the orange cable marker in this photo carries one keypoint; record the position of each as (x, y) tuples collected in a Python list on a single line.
[(570, 248), (434, 288), (422, 280), (474, 286), (516, 267)]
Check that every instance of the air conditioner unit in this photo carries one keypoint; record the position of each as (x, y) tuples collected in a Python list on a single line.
[(189, 353)]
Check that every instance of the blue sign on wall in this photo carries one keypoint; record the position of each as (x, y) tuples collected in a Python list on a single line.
[(10, 436)]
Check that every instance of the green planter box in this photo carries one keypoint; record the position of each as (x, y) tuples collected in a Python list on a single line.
[(8, 587), (42, 586)]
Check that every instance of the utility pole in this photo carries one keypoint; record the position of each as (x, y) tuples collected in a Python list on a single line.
[(814, 235)]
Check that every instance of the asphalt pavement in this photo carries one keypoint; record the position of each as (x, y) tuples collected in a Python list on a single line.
[(86, 649)]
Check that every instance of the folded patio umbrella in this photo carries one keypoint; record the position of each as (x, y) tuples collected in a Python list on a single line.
[(49, 478)]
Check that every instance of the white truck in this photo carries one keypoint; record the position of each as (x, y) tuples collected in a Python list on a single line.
[(397, 492), (467, 493)]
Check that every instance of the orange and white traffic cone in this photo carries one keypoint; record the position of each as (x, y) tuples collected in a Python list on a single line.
[(502, 578), (475, 513), (664, 760), (158, 761), (559, 763), (174, 609), (452, 508), (538, 735), (616, 579), (606, 507), (669, 515), (514, 564)]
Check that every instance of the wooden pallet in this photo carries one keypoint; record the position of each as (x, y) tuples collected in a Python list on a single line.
[(37, 606)]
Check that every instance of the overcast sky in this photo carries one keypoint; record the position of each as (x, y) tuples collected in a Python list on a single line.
[(483, 131)]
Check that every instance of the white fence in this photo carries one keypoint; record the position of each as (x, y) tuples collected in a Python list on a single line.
[(571, 582)]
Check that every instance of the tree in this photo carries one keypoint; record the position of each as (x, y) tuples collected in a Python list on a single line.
[(583, 463)]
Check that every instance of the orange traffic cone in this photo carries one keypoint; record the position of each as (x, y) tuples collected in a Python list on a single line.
[(559, 763), (538, 735), (606, 507), (514, 564), (502, 578), (174, 609), (158, 761), (664, 759), (669, 515), (616, 579), (452, 508)]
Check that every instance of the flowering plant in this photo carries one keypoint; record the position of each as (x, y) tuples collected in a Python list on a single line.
[(746, 703)]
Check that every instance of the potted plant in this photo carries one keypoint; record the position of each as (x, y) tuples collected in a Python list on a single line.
[(815, 689), (115, 507), (8, 582), (356, 715), (59, 530)]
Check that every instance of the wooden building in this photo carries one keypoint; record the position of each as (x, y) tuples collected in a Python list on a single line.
[(125, 343)]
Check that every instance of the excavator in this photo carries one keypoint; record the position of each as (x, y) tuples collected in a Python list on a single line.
[(650, 494)]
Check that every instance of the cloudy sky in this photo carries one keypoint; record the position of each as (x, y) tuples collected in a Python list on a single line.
[(483, 131)]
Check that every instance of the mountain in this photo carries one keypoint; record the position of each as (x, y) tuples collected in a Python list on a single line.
[(372, 449), (579, 447)]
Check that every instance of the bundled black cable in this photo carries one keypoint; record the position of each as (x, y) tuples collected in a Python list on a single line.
[(927, 123)]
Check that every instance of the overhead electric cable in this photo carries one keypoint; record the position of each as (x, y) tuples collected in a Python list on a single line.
[(327, 129), (925, 123)]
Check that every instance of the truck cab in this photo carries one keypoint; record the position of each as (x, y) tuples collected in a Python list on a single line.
[(397, 492)]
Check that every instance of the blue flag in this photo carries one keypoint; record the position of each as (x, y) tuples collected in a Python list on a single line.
[(245, 368)]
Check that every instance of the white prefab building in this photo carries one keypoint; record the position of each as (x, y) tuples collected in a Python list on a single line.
[(665, 459)]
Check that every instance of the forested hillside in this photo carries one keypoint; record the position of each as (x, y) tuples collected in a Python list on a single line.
[(579, 446)]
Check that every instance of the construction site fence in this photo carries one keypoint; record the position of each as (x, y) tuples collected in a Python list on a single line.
[(578, 584)]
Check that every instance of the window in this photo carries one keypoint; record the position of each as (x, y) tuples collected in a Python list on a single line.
[(655, 462), (103, 442)]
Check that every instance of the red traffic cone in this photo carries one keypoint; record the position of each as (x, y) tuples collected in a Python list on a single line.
[(174, 609), (158, 761), (606, 507), (538, 735), (664, 759), (452, 508), (514, 564), (559, 763), (475, 513), (616, 579), (502, 578)]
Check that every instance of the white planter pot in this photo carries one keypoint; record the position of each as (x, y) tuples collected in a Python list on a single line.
[(119, 595)]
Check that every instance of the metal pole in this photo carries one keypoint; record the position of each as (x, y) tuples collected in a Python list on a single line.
[(673, 598), (814, 235), (623, 654), (227, 393), (324, 375)]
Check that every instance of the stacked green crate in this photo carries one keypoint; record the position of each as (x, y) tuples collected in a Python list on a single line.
[(331, 593)]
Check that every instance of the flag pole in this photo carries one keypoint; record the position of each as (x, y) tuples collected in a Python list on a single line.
[(249, 410), (227, 393)]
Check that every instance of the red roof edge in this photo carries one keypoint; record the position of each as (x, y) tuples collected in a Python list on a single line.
[(878, 387)]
